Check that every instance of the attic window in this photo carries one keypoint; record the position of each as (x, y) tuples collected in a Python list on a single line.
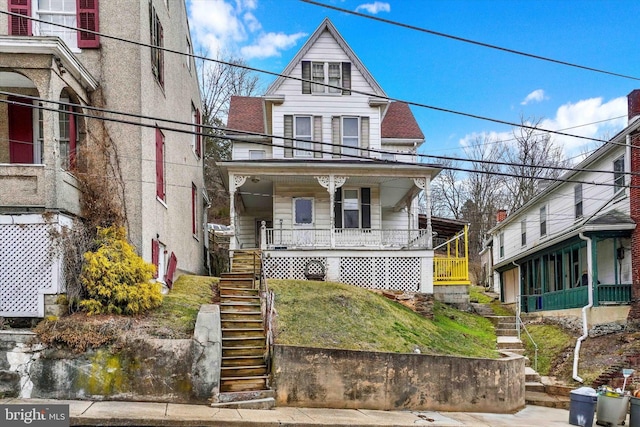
[(326, 77)]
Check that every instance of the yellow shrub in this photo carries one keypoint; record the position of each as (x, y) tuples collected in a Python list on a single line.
[(116, 279)]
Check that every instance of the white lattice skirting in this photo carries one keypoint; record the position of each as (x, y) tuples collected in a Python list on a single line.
[(395, 273), (28, 269)]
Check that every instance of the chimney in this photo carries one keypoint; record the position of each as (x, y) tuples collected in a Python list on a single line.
[(633, 100), (501, 215)]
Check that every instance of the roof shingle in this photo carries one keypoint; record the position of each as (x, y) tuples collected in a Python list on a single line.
[(400, 123)]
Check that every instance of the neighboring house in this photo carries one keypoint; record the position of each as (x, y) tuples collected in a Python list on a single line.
[(577, 233), (327, 163), (43, 143)]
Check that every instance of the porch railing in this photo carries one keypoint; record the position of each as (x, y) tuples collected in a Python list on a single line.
[(451, 261), (604, 294), (288, 238)]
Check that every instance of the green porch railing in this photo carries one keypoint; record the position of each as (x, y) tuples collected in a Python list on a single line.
[(607, 294), (604, 294)]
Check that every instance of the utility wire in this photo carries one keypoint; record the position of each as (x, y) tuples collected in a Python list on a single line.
[(258, 70), (270, 144), (270, 136), (474, 42)]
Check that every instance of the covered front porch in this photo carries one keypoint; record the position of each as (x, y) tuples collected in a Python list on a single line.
[(561, 276)]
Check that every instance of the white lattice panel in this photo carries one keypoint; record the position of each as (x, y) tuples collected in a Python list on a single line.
[(25, 268), (381, 273), (289, 268)]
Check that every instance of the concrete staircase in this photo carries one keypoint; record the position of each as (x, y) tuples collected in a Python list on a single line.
[(244, 372)]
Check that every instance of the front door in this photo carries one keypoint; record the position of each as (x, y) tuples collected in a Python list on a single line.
[(20, 132)]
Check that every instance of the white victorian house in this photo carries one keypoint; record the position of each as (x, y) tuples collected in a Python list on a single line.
[(324, 173)]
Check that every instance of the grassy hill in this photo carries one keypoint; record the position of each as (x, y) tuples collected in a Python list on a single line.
[(335, 315)]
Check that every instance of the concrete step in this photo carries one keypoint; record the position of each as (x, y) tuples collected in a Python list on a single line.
[(530, 375), (507, 342), (506, 325), (534, 386), (265, 403), (254, 399), (506, 332), (547, 400)]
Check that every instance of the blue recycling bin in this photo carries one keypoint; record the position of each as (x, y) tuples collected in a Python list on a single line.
[(582, 407)]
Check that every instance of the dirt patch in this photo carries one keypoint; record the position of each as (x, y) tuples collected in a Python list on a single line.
[(601, 361)]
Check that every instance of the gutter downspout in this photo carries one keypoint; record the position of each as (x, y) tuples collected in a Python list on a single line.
[(585, 326), (518, 299)]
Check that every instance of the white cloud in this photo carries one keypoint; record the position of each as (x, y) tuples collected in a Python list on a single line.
[(535, 96), (375, 7), (270, 44), (590, 118), (231, 26)]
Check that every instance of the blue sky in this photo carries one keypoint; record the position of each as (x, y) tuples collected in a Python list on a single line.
[(427, 69)]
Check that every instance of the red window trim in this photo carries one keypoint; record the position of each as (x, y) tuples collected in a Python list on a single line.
[(194, 209), (19, 26), (160, 177), (87, 18)]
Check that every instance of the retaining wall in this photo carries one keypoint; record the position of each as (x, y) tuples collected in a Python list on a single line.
[(332, 378)]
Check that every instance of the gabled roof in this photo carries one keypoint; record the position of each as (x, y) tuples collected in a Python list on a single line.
[(327, 25), (399, 123), (246, 113)]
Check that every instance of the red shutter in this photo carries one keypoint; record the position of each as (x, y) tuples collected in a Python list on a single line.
[(160, 164), (87, 11), (171, 270), (19, 26), (20, 131), (155, 255), (198, 136), (194, 209)]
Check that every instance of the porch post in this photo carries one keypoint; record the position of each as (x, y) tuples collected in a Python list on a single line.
[(235, 181), (331, 183), (425, 184)]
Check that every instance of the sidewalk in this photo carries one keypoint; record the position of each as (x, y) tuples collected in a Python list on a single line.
[(88, 413)]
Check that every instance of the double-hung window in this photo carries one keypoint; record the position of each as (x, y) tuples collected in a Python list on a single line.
[(320, 77), (577, 196), (157, 45), (68, 136), (351, 208), (196, 140), (302, 134), (501, 244), (543, 221), (350, 136), (57, 12), (160, 170), (618, 176)]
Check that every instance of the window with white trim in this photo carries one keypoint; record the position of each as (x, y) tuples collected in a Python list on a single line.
[(577, 196), (523, 232), (350, 136), (501, 244), (303, 210), (323, 73), (257, 154), (618, 176), (351, 208), (543, 221), (157, 44), (57, 12), (302, 136)]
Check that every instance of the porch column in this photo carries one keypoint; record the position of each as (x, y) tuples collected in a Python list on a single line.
[(235, 181), (331, 183), (425, 184)]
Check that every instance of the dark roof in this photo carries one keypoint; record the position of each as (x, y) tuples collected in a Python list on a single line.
[(445, 227), (613, 217), (246, 113), (399, 122)]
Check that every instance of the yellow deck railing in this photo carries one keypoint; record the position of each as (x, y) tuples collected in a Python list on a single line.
[(451, 267)]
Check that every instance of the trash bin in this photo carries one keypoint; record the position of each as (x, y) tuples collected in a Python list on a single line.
[(612, 410), (634, 413), (582, 406)]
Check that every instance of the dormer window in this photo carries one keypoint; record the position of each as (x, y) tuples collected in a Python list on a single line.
[(326, 77)]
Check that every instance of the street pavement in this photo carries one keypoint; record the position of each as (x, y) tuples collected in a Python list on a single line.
[(111, 413)]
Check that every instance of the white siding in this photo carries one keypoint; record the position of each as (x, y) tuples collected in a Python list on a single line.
[(597, 200), (241, 150)]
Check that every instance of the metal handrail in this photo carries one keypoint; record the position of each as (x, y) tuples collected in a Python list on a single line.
[(519, 323)]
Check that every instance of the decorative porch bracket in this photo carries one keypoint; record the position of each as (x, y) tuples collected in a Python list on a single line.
[(425, 184), (235, 182), (331, 183)]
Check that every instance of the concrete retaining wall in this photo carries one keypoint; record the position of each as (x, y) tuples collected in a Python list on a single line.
[(331, 378), (157, 370)]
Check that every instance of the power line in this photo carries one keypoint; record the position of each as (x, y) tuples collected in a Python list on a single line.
[(311, 150), (470, 41), (258, 70)]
